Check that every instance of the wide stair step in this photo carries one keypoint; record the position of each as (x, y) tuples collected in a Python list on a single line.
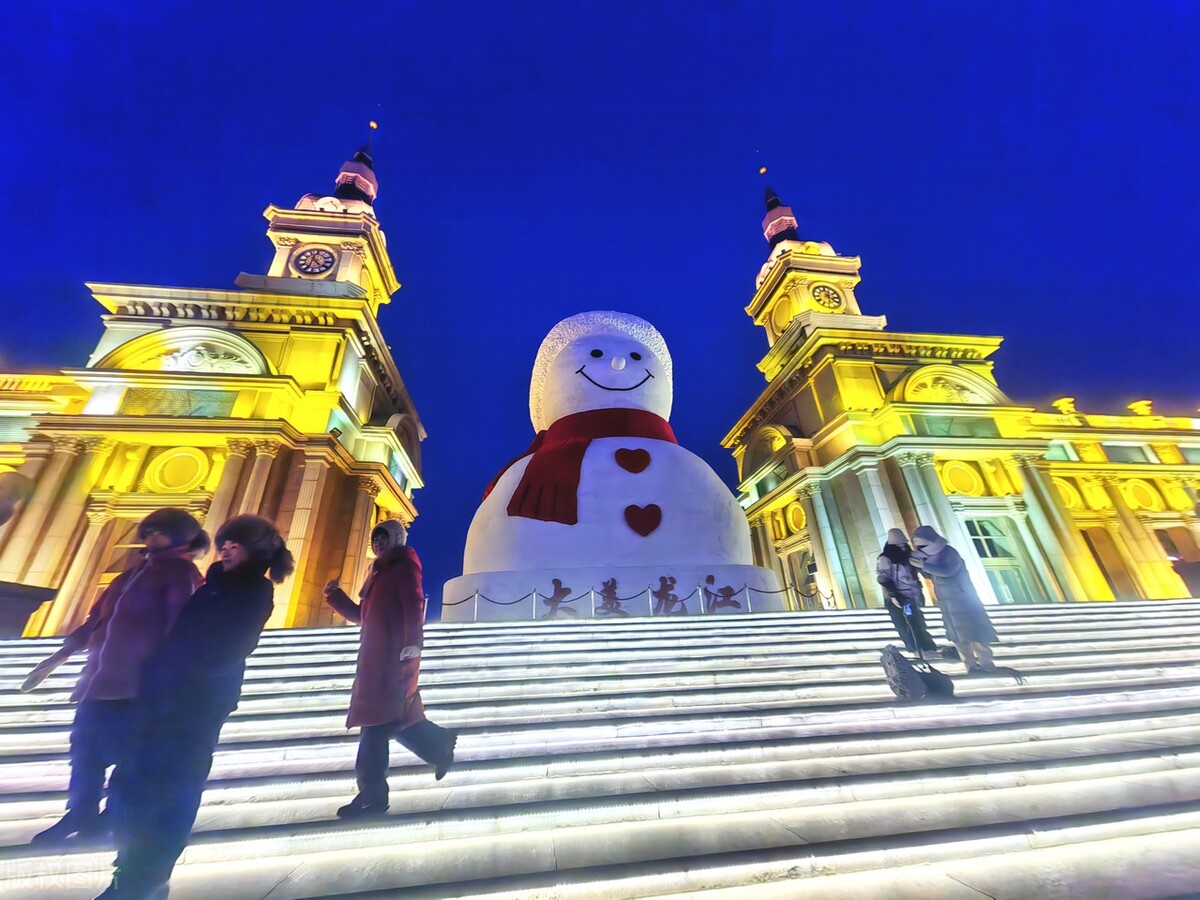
[(749, 755)]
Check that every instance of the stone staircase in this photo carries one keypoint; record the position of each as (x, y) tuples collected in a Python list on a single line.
[(732, 756)]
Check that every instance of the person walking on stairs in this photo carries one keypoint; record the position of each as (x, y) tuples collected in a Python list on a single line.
[(966, 621), (903, 594), (124, 626), (190, 685), (385, 701)]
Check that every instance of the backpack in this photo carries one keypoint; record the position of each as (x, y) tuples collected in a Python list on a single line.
[(914, 682)]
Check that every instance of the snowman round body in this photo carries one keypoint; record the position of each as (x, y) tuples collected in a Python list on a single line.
[(651, 529)]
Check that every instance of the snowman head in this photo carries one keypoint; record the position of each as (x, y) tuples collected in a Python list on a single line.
[(600, 360)]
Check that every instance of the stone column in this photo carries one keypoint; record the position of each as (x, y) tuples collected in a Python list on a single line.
[(1151, 569), (52, 549), (221, 504), (70, 606), (354, 564), (299, 540), (1084, 579), (911, 473), (28, 528), (952, 528), (1049, 561), (829, 567), (881, 505), (1192, 518), (31, 469), (264, 455)]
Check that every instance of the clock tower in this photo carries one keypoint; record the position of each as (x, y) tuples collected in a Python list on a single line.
[(333, 240), (802, 279)]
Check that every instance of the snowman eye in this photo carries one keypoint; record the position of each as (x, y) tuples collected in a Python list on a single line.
[(635, 355), (597, 353)]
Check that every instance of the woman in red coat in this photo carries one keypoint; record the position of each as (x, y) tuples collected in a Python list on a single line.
[(385, 701)]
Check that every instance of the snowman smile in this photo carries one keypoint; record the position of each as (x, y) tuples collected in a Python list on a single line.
[(605, 387)]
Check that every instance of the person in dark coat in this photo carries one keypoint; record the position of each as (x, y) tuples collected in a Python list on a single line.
[(903, 594), (190, 685), (124, 626), (385, 701), (966, 621)]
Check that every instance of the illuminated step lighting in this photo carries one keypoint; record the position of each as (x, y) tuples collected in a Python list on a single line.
[(594, 835), (1110, 859), (234, 761), (498, 709)]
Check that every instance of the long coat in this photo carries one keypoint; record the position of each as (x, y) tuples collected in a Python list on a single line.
[(392, 616), (129, 621), (200, 666), (963, 615)]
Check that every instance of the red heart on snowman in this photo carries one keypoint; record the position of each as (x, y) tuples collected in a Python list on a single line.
[(634, 461), (643, 519)]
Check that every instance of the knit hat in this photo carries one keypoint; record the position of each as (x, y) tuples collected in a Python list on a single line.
[(262, 541), (177, 524), (897, 537)]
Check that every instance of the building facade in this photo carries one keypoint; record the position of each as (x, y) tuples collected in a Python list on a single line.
[(861, 429), (279, 397)]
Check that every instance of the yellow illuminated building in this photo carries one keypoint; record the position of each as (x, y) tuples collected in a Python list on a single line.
[(279, 398), (860, 429)]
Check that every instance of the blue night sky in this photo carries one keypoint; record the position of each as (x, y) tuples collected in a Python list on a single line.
[(1021, 169)]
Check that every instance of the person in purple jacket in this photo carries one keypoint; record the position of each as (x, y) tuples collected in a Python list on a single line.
[(124, 626)]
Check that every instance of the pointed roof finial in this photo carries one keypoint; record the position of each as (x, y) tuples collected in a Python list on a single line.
[(356, 180), (779, 224)]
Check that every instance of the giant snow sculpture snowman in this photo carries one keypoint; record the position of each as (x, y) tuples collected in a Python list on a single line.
[(606, 514)]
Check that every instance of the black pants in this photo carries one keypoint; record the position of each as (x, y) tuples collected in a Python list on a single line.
[(158, 791), (426, 740), (99, 737), (917, 620)]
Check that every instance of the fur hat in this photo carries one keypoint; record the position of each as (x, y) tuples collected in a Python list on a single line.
[(177, 524), (262, 541), (396, 533), (897, 537)]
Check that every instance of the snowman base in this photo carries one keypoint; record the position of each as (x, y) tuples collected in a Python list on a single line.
[(612, 592)]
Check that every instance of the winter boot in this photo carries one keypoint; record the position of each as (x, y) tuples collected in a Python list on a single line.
[(446, 760), (361, 808), (73, 823)]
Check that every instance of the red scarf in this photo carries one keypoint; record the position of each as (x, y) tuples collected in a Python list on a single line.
[(549, 488)]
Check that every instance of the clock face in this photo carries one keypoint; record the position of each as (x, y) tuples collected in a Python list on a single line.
[(827, 296), (313, 261)]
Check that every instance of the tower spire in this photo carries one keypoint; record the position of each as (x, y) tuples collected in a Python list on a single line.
[(779, 224)]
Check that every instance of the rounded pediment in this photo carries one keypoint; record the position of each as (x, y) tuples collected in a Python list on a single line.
[(189, 349), (763, 444), (947, 384)]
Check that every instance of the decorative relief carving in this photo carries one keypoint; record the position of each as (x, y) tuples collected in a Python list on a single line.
[(1028, 459), (285, 241), (267, 448), (203, 358), (98, 515), (369, 486), (70, 445), (1090, 451), (941, 389), (240, 447), (218, 312), (907, 350)]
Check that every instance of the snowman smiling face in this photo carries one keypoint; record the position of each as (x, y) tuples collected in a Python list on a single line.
[(605, 371)]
